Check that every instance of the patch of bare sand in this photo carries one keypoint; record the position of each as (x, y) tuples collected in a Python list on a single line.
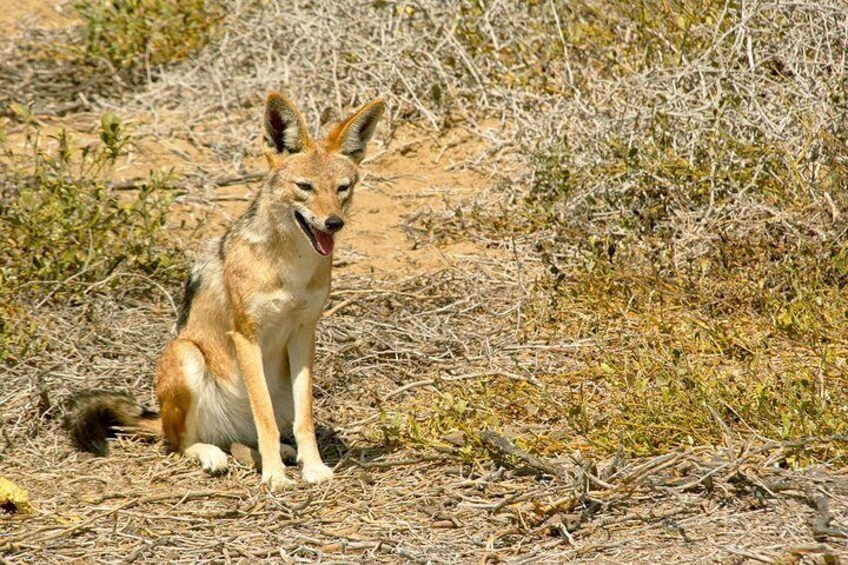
[(16, 16), (415, 171)]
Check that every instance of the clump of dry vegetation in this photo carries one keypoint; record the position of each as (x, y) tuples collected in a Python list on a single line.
[(688, 206), (111, 49)]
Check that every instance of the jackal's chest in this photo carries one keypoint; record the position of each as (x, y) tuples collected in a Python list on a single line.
[(282, 314), (287, 307)]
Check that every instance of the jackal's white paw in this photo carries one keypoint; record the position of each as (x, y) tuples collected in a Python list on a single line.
[(211, 457), (316, 473), (277, 481)]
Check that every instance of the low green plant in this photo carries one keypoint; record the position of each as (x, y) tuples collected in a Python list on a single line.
[(63, 229), (133, 35)]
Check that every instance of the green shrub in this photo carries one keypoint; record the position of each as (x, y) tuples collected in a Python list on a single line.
[(135, 34), (63, 229)]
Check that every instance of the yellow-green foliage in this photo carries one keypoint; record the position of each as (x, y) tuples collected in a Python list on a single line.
[(679, 357), (63, 229), (134, 34), (13, 499)]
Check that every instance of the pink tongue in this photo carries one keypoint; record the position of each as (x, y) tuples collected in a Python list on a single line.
[(325, 242)]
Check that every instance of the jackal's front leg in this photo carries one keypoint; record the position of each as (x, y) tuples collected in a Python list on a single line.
[(250, 365), (301, 349)]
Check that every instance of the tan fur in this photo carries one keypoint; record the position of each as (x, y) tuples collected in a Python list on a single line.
[(172, 391), (241, 367)]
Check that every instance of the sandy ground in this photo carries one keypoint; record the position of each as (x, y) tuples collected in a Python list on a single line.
[(17, 15), (415, 171)]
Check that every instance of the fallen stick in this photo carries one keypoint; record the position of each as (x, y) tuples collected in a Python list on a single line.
[(429, 382), (821, 522), (136, 184), (503, 446)]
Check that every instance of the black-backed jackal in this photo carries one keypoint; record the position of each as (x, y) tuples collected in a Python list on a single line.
[(240, 368)]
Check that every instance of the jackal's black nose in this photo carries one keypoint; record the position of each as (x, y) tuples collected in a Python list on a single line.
[(333, 224)]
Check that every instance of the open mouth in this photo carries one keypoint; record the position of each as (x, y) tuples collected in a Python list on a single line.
[(321, 241)]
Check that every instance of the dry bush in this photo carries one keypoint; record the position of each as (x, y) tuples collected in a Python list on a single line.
[(138, 37), (111, 49)]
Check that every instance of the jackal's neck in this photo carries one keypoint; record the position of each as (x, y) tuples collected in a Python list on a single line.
[(254, 225)]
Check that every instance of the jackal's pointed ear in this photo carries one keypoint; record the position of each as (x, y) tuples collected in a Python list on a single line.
[(285, 130), (351, 136)]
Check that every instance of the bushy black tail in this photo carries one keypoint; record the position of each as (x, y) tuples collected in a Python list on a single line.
[(93, 416)]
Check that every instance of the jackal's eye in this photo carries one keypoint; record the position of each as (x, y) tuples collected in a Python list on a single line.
[(304, 186), (344, 188)]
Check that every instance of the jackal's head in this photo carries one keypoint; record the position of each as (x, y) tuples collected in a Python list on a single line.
[(312, 182)]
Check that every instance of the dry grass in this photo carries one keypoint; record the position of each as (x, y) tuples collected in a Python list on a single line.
[(443, 503), (689, 212), (649, 363)]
